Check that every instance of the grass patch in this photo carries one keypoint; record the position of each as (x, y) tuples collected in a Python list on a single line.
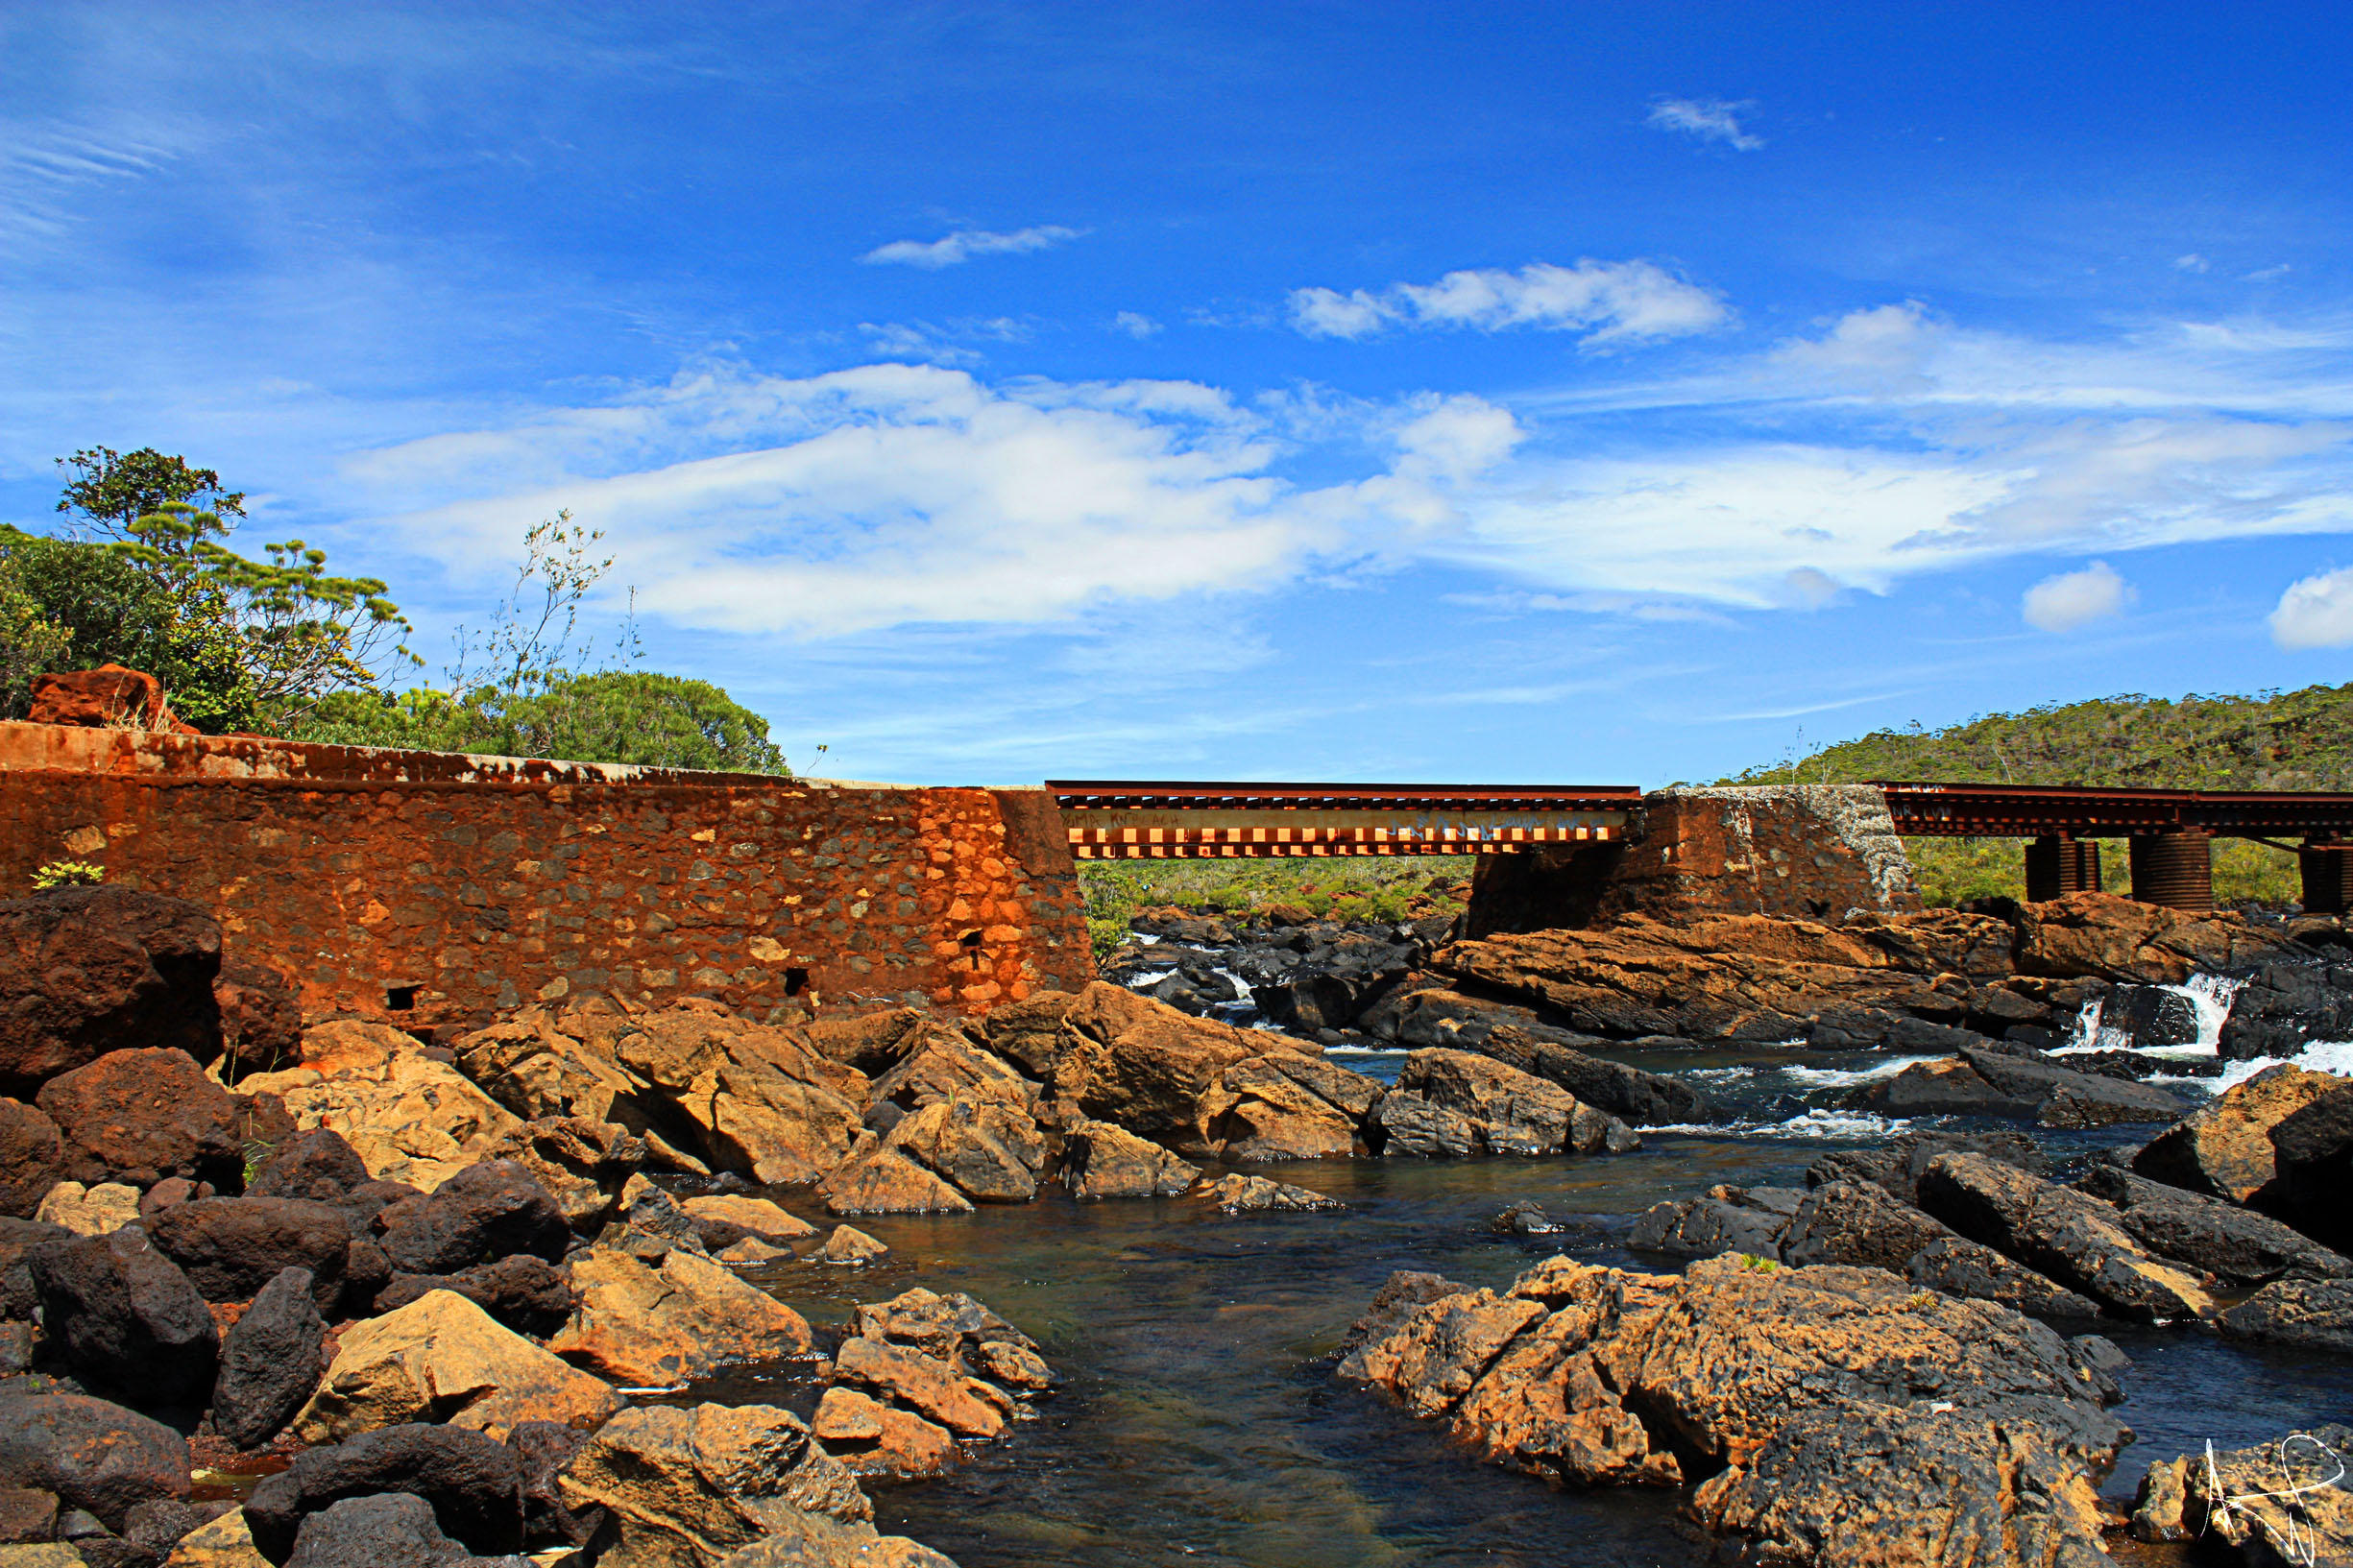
[(1340, 888), (1953, 871)]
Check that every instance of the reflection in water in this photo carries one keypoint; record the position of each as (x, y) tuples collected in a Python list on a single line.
[(1200, 1423)]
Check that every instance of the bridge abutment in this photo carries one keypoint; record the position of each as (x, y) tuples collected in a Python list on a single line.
[(2059, 864)]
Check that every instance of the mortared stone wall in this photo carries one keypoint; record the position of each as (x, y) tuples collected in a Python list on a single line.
[(418, 886)]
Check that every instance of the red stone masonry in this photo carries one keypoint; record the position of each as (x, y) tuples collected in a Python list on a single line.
[(422, 885)]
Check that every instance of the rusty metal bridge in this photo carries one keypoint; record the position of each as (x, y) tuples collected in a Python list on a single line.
[(2169, 831)]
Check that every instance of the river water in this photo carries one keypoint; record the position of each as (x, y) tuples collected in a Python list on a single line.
[(1200, 1423)]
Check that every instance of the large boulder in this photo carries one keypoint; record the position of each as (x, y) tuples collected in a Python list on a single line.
[(2310, 1313), (32, 1158), (1149, 1068), (1287, 1105), (1635, 1097), (142, 1116), (1897, 1166), (1959, 1266), (2072, 1237), (409, 1117), (492, 1210), (126, 1318), (525, 1294), (471, 1484), (94, 1455), (877, 1178), (1409, 1125), (271, 1360), (874, 1438), (683, 1488), (721, 1220), (1102, 1161), (987, 1149), (440, 1359), (1514, 1112), (2223, 1147), (2103, 936), (583, 1165), (231, 1247), (1985, 1082), (677, 1322), (1744, 1219), (385, 1530), (316, 1164), (2272, 1503), (1856, 1222), (19, 1297), (941, 1063), (929, 1386), (1767, 1376), (2236, 1245), (2311, 1151), (83, 969)]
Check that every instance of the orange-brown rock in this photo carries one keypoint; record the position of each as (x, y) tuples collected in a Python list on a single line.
[(1841, 1408), (1146, 1066), (984, 1148), (941, 1064), (2224, 1146), (1291, 1106), (878, 1439), (878, 1179), (1102, 1161), (676, 1322), (110, 697), (2102, 935), (963, 1405)]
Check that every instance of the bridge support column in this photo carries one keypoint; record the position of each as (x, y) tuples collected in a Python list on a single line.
[(2057, 865), (2174, 869), (2328, 877)]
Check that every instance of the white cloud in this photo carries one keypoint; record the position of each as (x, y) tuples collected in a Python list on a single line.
[(902, 495), (2193, 263), (2265, 275), (966, 243), (1136, 325), (2069, 599), (1709, 119), (2315, 612), (1608, 301)]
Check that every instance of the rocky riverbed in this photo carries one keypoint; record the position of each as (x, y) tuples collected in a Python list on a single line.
[(611, 1283)]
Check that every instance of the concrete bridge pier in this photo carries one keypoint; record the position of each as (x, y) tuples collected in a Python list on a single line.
[(2327, 868), (2059, 864), (2174, 869)]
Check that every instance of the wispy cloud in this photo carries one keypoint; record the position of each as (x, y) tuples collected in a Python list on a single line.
[(1709, 119), (960, 247), (1608, 301), (1136, 325), (2193, 263)]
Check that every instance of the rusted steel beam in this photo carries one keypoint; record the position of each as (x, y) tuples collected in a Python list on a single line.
[(1143, 843), (2033, 811), (1196, 795)]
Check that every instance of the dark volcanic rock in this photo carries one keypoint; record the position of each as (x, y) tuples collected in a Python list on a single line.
[(1857, 1222), (2283, 1008), (92, 1455), (2233, 1243), (316, 1164), (1748, 1219), (1834, 1410), (152, 1528), (1984, 1082), (32, 1159), (18, 1296), (492, 1210), (1642, 1099), (2150, 1015), (471, 1484), (271, 1360), (261, 1022), (2312, 1149), (529, 1294), (2224, 1148), (125, 1317), (2316, 1313), (140, 1116), (541, 1450), (83, 969), (2072, 1237), (1959, 1266), (385, 1530), (1898, 1166), (2271, 1504), (233, 1247), (1400, 1295)]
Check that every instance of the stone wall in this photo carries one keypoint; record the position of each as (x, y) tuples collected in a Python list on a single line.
[(1818, 852), (416, 886)]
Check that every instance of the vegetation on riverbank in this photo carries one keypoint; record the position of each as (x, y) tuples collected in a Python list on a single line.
[(2270, 741), (1339, 887)]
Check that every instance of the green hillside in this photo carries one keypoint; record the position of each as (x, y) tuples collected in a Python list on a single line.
[(2272, 741)]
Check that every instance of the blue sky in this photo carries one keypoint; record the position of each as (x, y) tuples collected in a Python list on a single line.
[(988, 393)]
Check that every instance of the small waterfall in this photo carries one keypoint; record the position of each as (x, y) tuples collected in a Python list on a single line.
[(2090, 1034), (2212, 996)]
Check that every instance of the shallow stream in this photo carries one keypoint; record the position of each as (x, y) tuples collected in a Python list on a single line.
[(1201, 1425)]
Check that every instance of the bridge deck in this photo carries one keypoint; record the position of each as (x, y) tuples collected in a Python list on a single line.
[(1987, 811), (1133, 819)]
